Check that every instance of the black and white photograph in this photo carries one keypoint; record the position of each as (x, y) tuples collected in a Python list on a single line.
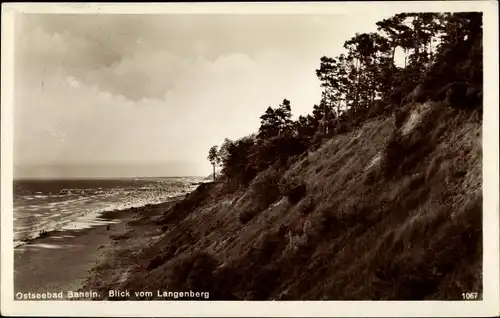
[(263, 158)]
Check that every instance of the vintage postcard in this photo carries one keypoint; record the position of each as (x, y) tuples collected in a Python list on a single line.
[(255, 159)]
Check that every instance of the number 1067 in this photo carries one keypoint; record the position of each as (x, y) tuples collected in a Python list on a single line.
[(469, 296)]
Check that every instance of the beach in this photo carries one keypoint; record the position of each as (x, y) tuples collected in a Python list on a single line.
[(66, 262)]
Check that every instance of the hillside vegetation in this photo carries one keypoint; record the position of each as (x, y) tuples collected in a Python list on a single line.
[(375, 195)]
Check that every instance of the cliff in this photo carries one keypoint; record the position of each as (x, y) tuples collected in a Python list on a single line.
[(391, 210)]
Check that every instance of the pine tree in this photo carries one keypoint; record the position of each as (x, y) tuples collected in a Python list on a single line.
[(269, 123), (213, 157), (284, 118)]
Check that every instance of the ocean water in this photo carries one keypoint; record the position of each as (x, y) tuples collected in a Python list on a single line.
[(71, 204)]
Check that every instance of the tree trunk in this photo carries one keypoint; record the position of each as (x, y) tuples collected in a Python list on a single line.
[(430, 49), (372, 97), (325, 129), (214, 171), (430, 54), (356, 96)]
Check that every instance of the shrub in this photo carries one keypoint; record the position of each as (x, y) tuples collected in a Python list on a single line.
[(278, 150), (266, 186), (157, 261), (306, 206), (393, 154), (181, 249), (264, 190), (440, 94), (403, 153), (193, 271), (268, 245), (261, 283), (401, 114), (235, 161), (291, 160), (248, 156), (246, 215), (326, 221), (296, 193), (455, 95), (376, 109), (399, 93), (372, 176), (294, 190), (399, 118), (342, 127), (418, 95), (473, 94), (460, 95)]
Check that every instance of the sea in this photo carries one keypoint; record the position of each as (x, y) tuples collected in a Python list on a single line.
[(50, 205)]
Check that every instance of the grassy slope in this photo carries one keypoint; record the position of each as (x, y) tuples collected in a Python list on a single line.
[(390, 212)]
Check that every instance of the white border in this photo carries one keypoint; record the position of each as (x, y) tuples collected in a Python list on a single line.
[(489, 306)]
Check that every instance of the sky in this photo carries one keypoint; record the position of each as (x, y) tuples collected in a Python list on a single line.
[(113, 95)]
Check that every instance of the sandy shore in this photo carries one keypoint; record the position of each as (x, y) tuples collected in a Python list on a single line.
[(63, 261)]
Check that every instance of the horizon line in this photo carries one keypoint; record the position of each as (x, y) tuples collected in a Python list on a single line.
[(105, 177)]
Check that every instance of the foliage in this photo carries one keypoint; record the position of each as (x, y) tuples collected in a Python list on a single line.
[(442, 62), (213, 157), (276, 122), (296, 193), (263, 191)]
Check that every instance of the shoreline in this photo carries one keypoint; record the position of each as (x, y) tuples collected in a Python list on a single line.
[(63, 260), (98, 218)]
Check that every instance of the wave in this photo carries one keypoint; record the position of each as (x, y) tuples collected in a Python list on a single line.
[(87, 218), (52, 206)]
